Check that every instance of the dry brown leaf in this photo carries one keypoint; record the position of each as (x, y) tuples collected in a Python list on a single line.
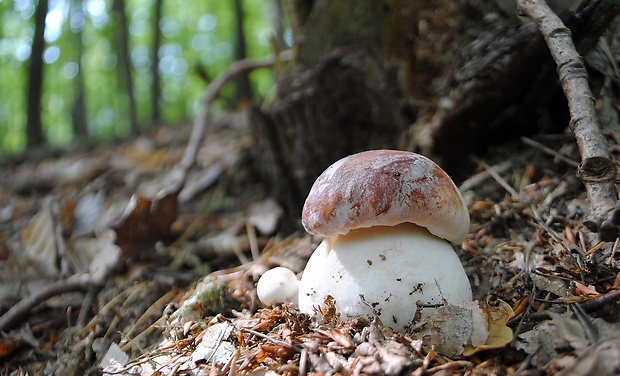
[(499, 333), (146, 222)]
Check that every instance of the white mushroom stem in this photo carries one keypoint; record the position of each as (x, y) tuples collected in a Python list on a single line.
[(277, 285), (393, 268)]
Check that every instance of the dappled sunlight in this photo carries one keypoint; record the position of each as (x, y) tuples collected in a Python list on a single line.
[(193, 34)]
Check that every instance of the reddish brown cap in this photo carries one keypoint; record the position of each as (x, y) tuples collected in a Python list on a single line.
[(385, 188)]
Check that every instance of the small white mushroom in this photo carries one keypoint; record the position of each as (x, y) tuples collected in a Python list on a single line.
[(277, 285), (388, 218)]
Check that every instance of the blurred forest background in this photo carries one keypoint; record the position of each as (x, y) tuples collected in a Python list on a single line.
[(129, 225), (73, 70)]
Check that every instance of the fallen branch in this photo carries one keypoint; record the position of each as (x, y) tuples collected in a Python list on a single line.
[(550, 151), (598, 302), (17, 313), (202, 119), (596, 170)]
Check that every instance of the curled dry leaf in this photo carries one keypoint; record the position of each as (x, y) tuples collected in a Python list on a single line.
[(467, 328), (449, 328), (500, 334), (39, 241)]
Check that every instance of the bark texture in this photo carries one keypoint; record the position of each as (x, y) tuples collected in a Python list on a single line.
[(34, 128), (501, 85), (155, 79), (348, 103), (124, 62)]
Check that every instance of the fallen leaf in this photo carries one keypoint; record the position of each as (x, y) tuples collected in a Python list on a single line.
[(145, 222), (264, 216), (114, 359), (449, 328), (39, 241), (215, 347), (500, 334)]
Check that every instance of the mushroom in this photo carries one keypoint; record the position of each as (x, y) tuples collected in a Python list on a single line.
[(388, 218), (277, 285)]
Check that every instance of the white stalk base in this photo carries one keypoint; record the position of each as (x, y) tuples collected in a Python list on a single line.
[(392, 267)]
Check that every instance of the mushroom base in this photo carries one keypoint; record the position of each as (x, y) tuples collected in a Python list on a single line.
[(393, 268)]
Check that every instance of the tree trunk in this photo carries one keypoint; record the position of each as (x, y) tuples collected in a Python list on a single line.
[(276, 15), (500, 87), (34, 128), (432, 77), (243, 89), (343, 98), (78, 111), (124, 69), (155, 85)]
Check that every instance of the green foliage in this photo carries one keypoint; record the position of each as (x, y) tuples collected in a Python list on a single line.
[(194, 34)]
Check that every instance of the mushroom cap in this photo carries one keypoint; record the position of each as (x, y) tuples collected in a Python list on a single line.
[(277, 285), (385, 188)]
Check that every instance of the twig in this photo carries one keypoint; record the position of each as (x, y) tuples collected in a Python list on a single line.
[(523, 317), (77, 282), (154, 308), (303, 362), (451, 366), (596, 170), (477, 179), (273, 340), (550, 151), (202, 119), (499, 179), (600, 301), (588, 306), (590, 330)]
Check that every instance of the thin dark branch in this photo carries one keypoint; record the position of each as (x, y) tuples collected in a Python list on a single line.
[(78, 282), (588, 306), (597, 303), (273, 340), (202, 119)]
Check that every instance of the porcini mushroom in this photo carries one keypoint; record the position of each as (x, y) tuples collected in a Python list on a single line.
[(277, 285), (388, 218)]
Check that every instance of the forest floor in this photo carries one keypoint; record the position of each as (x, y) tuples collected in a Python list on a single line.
[(166, 289)]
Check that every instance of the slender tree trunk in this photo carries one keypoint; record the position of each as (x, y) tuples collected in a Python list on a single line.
[(155, 85), (34, 129), (124, 71), (242, 83), (276, 15), (78, 112)]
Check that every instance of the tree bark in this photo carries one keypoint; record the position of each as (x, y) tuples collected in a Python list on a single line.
[(464, 84), (124, 71), (333, 24), (78, 111), (500, 84), (243, 89), (348, 103), (342, 98), (155, 83), (276, 19), (34, 128)]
